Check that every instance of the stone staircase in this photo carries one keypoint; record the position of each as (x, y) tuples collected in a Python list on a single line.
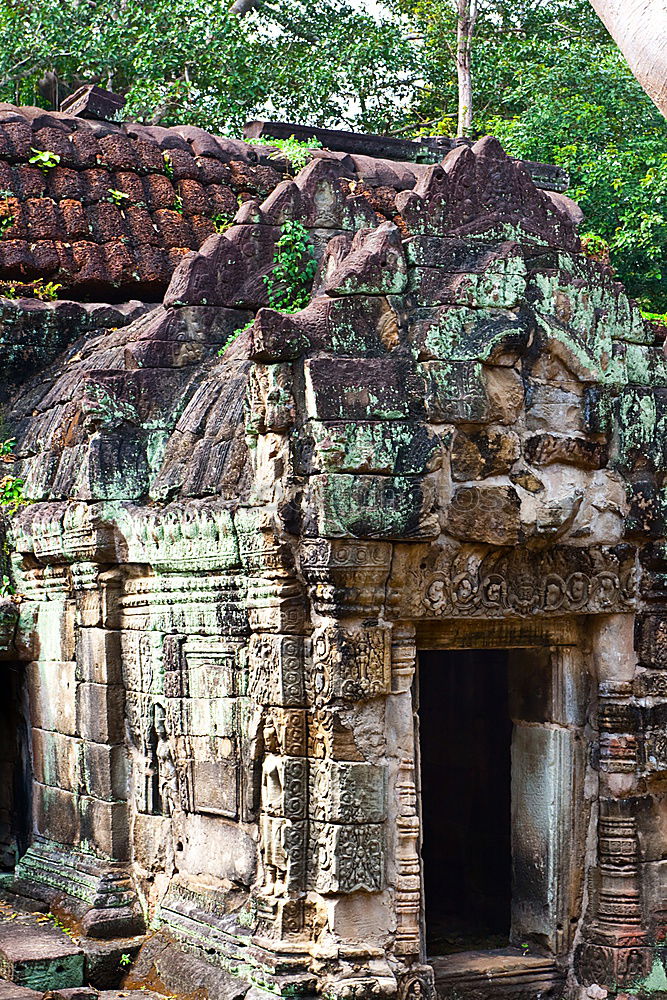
[(41, 959)]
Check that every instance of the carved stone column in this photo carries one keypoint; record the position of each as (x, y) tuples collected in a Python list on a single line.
[(616, 946), (277, 700), (349, 683)]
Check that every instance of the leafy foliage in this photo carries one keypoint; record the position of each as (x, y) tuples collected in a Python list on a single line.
[(6, 221), (551, 84), (47, 292), (294, 266), (295, 151), (44, 159), (193, 62), (11, 493), (11, 487), (118, 197)]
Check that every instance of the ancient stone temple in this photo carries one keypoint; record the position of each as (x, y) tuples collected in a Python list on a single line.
[(336, 657)]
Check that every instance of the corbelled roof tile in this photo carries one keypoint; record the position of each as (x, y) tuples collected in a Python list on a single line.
[(123, 204)]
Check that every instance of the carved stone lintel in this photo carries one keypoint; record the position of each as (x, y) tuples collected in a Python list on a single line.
[(461, 581)]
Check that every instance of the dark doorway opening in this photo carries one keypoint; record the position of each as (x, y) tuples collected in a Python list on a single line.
[(465, 751), (15, 767)]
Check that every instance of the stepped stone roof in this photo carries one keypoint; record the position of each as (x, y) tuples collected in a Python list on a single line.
[(126, 202), (478, 210)]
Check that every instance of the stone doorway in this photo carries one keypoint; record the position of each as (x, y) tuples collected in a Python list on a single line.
[(502, 806), (465, 740), (15, 770)]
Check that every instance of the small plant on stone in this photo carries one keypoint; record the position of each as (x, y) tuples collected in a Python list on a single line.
[(168, 164), (294, 266), (178, 204), (235, 336), (596, 248), (44, 159), (6, 222), (6, 449), (222, 222), (659, 318), (46, 292), (118, 197), (297, 152), (7, 588), (57, 923), (11, 493), (125, 960)]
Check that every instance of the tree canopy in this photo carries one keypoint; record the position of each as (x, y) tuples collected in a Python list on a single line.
[(548, 81)]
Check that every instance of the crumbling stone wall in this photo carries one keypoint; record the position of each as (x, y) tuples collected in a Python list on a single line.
[(235, 551)]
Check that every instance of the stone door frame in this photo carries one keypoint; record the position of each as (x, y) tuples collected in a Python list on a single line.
[(545, 908)]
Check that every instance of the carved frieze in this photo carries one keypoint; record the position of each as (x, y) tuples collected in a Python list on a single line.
[(263, 553), (186, 604), (285, 731), (211, 667), (275, 605), (651, 639), (66, 532), (275, 675), (345, 575), (450, 581), (285, 786), (197, 536), (269, 400), (283, 844)]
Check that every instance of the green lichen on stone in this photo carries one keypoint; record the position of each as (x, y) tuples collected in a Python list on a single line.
[(464, 334), (654, 983), (373, 506), (637, 425), (501, 286), (401, 447), (645, 365)]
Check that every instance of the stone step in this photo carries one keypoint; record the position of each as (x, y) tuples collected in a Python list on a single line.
[(130, 995), (493, 975), (10, 991), (37, 955)]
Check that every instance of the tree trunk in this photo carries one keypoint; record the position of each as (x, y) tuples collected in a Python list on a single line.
[(639, 28), (467, 17)]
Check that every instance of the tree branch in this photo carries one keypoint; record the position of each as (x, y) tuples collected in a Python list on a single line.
[(243, 7)]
